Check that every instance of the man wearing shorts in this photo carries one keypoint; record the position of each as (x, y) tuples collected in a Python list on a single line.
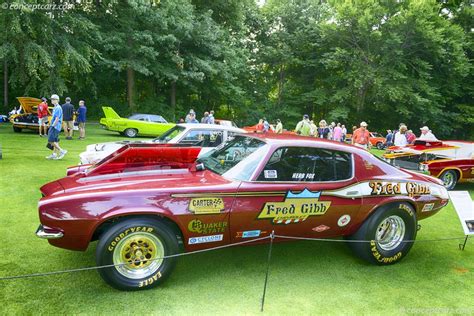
[(68, 115), (55, 128), (43, 114), (81, 119)]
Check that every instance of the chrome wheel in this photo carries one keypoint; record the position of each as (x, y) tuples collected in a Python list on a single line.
[(130, 132), (136, 255), (448, 179), (390, 233)]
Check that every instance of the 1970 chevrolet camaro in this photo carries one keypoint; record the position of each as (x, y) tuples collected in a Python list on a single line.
[(148, 201)]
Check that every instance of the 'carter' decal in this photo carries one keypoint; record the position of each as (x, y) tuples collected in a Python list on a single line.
[(206, 205), (295, 208)]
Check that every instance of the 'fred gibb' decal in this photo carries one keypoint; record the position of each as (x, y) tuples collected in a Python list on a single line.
[(197, 226), (389, 188), (206, 205), (295, 208), (126, 232)]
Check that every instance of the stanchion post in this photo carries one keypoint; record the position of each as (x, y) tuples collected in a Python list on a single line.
[(272, 236), (462, 246)]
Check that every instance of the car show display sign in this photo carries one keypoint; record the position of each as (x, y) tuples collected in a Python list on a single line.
[(464, 207)]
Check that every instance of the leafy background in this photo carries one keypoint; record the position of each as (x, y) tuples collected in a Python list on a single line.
[(384, 62)]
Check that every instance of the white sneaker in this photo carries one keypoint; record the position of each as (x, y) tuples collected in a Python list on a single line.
[(52, 156), (62, 154)]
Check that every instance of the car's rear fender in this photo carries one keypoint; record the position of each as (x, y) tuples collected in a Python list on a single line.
[(371, 209)]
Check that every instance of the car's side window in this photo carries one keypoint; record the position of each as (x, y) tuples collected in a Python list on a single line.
[(157, 119), (307, 164), (202, 138)]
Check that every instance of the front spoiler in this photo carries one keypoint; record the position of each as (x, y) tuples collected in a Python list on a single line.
[(42, 233)]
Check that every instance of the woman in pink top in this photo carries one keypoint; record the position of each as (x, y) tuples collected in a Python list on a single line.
[(337, 133)]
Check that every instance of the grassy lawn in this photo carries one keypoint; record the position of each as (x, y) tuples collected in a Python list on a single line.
[(305, 277)]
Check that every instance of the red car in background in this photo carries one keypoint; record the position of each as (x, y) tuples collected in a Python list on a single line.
[(376, 140), (255, 129), (147, 201), (450, 161)]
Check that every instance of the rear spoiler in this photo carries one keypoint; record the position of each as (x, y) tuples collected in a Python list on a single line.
[(140, 157), (110, 112)]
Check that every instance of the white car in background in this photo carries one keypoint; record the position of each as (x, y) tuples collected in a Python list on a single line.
[(206, 136)]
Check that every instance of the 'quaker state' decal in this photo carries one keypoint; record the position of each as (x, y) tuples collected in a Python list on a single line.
[(206, 205), (296, 207)]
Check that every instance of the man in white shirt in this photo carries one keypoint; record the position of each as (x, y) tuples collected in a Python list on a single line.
[(426, 134), (400, 137)]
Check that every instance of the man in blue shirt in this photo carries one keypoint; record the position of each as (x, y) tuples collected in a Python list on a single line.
[(81, 119), (55, 128)]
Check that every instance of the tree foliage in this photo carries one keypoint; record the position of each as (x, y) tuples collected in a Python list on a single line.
[(384, 62)]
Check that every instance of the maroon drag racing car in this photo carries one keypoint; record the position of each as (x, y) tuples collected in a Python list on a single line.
[(146, 201)]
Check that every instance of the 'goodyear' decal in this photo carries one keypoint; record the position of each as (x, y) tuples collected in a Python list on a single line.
[(126, 232), (206, 205), (381, 258), (296, 207)]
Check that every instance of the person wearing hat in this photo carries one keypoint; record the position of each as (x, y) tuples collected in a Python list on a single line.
[(190, 116), (43, 115), (361, 136), (426, 134), (54, 129), (303, 127)]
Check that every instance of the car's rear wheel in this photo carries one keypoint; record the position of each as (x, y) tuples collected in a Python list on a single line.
[(449, 178), (130, 132), (387, 235), (17, 129), (136, 248), (380, 145)]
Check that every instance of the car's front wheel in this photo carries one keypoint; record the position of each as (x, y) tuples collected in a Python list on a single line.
[(387, 235), (380, 145), (16, 129), (130, 132), (449, 178), (136, 248)]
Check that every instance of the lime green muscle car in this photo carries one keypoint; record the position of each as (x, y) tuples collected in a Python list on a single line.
[(137, 124)]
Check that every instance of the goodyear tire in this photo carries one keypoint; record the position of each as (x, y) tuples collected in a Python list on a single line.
[(388, 232), (133, 246), (130, 132), (449, 178)]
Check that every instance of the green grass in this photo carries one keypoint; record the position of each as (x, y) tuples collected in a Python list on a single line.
[(305, 277)]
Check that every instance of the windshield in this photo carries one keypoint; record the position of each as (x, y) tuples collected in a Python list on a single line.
[(169, 134), (229, 155)]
